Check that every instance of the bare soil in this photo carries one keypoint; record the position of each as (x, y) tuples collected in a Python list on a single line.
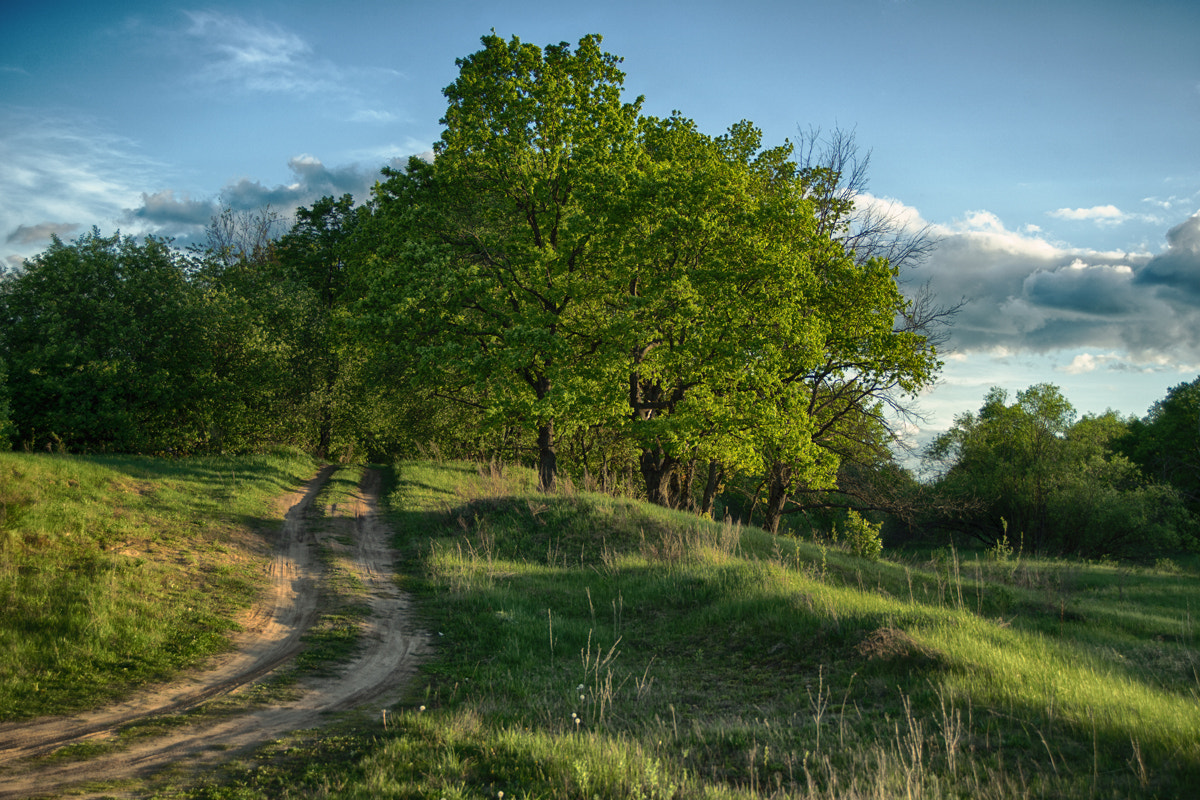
[(271, 637)]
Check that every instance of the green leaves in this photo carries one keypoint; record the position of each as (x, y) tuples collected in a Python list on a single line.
[(570, 266), (104, 344), (1058, 482)]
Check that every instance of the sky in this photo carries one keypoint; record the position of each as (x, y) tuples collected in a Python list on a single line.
[(1051, 146)]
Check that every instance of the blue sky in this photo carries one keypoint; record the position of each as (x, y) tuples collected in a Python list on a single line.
[(1053, 146)]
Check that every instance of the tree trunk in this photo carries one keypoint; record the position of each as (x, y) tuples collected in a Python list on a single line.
[(777, 495), (547, 457), (682, 496), (657, 468), (711, 488)]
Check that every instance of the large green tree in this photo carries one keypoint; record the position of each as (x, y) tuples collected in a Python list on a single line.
[(760, 340), (104, 340), (492, 260), (880, 345), (313, 262), (713, 299)]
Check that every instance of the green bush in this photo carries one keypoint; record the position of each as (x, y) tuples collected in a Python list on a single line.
[(863, 538)]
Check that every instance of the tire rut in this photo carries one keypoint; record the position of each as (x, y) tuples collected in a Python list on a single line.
[(390, 654)]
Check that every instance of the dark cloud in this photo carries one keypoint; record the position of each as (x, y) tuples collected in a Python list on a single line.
[(35, 234), (1095, 290), (313, 181), (1178, 268), (164, 209), (1026, 294)]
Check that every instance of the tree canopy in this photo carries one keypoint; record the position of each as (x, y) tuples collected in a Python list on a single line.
[(568, 265), (1028, 472)]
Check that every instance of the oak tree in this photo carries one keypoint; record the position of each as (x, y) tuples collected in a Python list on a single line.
[(492, 262)]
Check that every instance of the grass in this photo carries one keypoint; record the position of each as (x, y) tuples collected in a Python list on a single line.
[(118, 571), (589, 646)]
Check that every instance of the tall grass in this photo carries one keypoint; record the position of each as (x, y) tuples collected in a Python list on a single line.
[(115, 571)]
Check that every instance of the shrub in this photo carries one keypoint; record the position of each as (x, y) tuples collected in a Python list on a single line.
[(863, 538)]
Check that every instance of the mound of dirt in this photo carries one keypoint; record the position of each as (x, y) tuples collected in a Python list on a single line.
[(895, 645)]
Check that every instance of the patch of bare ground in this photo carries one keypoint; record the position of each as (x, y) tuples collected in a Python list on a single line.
[(270, 638)]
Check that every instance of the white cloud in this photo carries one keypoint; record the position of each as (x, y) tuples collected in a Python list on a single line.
[(1084, 362), (981, 221), (59, 174), (373, 115), (1108, 214), (258, 57)]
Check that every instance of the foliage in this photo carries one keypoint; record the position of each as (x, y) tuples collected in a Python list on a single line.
[(584, 273), (491, 256), (325, 364), (1029, 469), (861, 536), (1166, 442), (105, 344), (6, 426), (880, 345)]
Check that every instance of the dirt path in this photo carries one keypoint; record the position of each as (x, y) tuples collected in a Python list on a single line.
[(271, 638)]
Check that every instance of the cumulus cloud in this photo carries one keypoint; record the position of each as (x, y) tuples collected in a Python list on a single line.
[(1090, 362), (1175, 273), (1027, 294)]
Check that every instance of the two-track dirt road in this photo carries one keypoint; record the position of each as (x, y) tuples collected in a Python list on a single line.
[(391, 650)]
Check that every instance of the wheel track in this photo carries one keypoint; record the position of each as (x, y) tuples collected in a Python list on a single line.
[(391, 653)]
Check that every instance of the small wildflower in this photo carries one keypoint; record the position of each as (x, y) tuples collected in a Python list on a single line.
[(579, 688), (422, 708)]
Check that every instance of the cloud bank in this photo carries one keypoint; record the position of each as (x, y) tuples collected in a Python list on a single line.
[(1027, 294)]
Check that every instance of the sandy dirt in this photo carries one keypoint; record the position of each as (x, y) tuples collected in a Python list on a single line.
[(270, 638)]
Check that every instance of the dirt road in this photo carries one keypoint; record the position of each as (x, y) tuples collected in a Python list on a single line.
[(377, 674)]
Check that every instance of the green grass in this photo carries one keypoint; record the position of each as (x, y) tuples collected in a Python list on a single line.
[(594, 647), (117, 571)]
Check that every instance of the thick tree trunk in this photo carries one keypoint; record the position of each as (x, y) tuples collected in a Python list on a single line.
[(547, 457), (711, 488), (657, 468), (777, 494)]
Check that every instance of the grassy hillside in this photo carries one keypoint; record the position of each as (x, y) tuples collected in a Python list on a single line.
[(115, 571), (589, 646), (595, 647)]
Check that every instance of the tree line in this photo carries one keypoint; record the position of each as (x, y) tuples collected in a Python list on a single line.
[(569, 283)]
